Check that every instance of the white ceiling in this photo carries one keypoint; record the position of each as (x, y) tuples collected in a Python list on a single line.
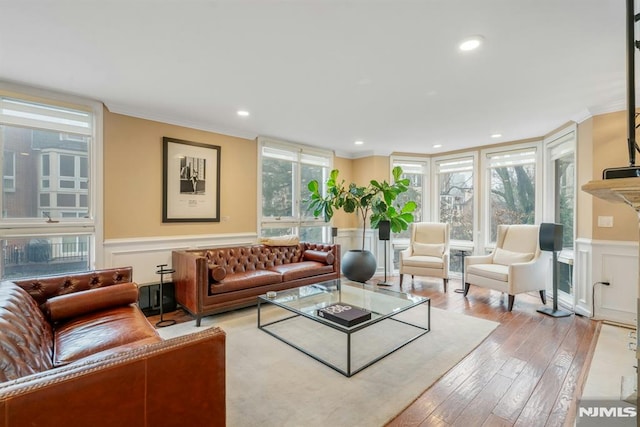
[(329, 72)]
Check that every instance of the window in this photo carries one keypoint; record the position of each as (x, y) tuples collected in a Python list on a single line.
[(456, 204), (47, 223), (455, 201), (512, 188), (286, 169), (416, 172)]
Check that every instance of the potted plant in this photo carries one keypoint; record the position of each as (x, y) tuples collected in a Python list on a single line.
[(373, 202)]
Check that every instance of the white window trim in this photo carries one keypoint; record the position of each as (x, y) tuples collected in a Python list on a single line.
[(567, 138), (426, 172), (91, 226), (484, 239), (459, 244)]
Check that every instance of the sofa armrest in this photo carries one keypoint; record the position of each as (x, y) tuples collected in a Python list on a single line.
[(190, 278), (180, 381)]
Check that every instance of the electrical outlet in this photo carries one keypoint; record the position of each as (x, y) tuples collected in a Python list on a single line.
[(605, 221)]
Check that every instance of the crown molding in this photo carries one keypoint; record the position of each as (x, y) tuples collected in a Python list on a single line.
[(142, 114)]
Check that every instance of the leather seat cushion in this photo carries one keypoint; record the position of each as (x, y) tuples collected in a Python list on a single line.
[(422, 261), (299, 270), (490, 271), (245, 279), (98, 331)]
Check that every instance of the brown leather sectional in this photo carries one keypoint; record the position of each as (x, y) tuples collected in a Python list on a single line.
[(76, 350), (209, 281)]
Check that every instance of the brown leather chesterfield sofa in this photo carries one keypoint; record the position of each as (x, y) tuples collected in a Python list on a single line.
[(209, 281), (76, 350)]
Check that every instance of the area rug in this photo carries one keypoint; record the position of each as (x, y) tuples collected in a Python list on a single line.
[(269, 383)]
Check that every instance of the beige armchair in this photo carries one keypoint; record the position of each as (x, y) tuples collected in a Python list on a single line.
[(514, 267), (428, 252)]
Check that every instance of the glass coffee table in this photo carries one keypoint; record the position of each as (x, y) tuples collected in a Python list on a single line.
[(397, 318)]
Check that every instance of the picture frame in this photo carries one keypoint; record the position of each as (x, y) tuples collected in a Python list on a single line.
[(190, 181)]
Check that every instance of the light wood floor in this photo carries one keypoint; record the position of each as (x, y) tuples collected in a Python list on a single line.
[(528, 372)]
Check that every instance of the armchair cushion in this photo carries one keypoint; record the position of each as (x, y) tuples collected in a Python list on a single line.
[(490, 271), (505, 257), (423, 261), (428, 249)]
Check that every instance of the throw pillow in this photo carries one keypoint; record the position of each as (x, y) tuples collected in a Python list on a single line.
[(84, 302), (505, 257), (428, 249), (319, 256), (288, 240), (217, 272)]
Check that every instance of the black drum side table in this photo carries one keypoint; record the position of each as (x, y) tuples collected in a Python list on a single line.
[(162, 270)]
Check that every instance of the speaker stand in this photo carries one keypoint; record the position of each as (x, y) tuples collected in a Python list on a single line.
[(162, 271), (384, 283), (554, 311)]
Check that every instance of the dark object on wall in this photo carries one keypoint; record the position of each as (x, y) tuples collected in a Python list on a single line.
[(551, 240), (149, 300)]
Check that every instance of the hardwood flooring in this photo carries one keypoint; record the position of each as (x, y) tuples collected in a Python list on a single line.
[(528, 372)]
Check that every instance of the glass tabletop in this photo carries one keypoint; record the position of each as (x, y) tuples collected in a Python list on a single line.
[(306, 300)]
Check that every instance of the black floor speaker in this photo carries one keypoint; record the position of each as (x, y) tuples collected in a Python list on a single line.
[(149, 299)]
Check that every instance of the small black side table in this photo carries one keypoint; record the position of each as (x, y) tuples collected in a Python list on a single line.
[(162, 271), (462, 253)]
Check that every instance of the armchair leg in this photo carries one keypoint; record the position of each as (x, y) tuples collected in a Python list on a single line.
[(466, 289), (543, 297), (445, 284), (401, 276), (511, 300)]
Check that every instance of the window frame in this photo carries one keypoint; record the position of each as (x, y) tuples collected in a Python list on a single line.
[(91, 225), (298, 220), (459, 244), (485, 239)]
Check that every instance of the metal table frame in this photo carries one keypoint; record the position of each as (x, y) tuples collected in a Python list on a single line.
[(348, 331)]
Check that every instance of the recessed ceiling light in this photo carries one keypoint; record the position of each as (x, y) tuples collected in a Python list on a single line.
[(243, 113), (437, 145), (471, 43), (496, 135), (359, 142)]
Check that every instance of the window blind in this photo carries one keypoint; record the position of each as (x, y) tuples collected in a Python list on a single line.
[(28, 114), (455, 165), (512, 158)]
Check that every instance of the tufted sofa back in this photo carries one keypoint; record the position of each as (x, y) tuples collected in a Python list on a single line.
[(259, 257), (26, 338), (43, 288)]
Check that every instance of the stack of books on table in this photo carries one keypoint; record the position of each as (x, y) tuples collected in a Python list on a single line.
[(344, 314)]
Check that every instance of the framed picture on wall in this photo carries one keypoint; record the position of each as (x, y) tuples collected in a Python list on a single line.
[(190, 182)]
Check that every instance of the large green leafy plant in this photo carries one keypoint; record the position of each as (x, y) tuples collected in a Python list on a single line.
[(374, 201)]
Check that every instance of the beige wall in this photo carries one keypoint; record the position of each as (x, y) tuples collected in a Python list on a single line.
[(610, 150), (133, 180), (133, 192)]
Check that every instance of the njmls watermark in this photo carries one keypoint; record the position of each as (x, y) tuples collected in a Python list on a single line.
[(605, 413)]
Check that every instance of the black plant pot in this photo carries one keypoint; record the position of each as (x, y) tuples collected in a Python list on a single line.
[(358, 265)]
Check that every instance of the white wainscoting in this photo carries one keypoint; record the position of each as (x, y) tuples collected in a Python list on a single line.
[(615, 262), (144, 254)]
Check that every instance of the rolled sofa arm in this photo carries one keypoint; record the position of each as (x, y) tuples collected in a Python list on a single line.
[(180, 381)]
